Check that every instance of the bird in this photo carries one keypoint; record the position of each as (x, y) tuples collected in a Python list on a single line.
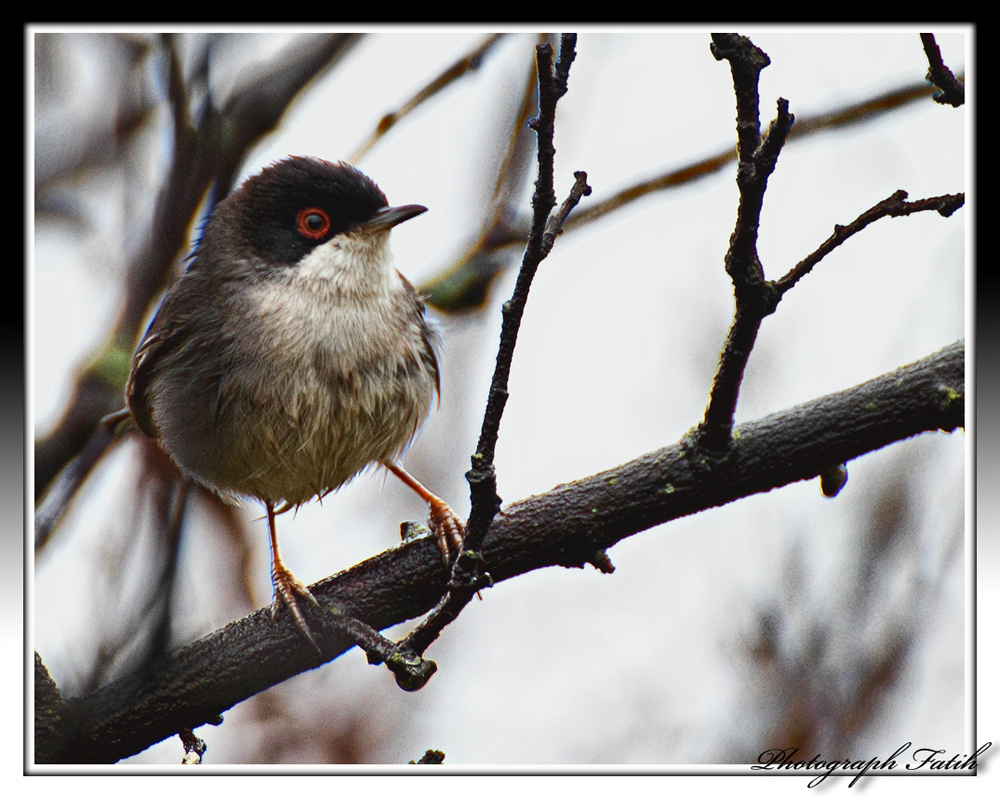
[(291, 355)]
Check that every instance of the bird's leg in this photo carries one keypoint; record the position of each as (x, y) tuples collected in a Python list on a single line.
[(411, 671), (445, 524), (286, 585)]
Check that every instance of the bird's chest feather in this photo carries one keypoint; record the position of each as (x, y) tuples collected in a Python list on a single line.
[(333, 362)]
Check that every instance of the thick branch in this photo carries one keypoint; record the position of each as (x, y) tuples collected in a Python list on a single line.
[(562, 527)]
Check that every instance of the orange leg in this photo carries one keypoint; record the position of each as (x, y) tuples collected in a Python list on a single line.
[(286, 585), (445, 524)]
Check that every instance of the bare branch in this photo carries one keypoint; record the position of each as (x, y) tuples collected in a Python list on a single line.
[(757, 297), (562, 527), (467, 576), (893, 206), (465, 283), (746, 61), (550, 88), (754, 297)]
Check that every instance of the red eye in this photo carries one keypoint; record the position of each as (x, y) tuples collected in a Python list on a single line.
[(313, 222)]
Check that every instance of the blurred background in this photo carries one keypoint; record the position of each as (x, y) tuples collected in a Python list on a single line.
[(782, 620)]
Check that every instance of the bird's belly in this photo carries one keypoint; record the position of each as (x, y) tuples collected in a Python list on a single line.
[(302, 432)]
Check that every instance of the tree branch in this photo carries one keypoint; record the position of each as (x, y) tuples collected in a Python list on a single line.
[(893, 206), (755, 298), (564, 526), (464, 285)]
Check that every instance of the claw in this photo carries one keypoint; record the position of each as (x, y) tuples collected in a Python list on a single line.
[(445, 524), (286, 587), (447, 528)]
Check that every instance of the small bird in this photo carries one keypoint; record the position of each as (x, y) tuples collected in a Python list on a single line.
[(292, 354)]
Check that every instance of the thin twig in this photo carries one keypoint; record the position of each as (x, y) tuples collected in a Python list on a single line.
[(464, 284), (893, 206), (459, 285), (467, 574), (412, 672), (550, 88), (470, 62), (554, 226), (757, 297)]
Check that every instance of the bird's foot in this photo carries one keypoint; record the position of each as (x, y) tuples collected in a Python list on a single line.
[(447, 528), (286, 588)]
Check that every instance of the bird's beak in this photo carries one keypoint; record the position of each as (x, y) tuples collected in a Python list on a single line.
[(390, 217)]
